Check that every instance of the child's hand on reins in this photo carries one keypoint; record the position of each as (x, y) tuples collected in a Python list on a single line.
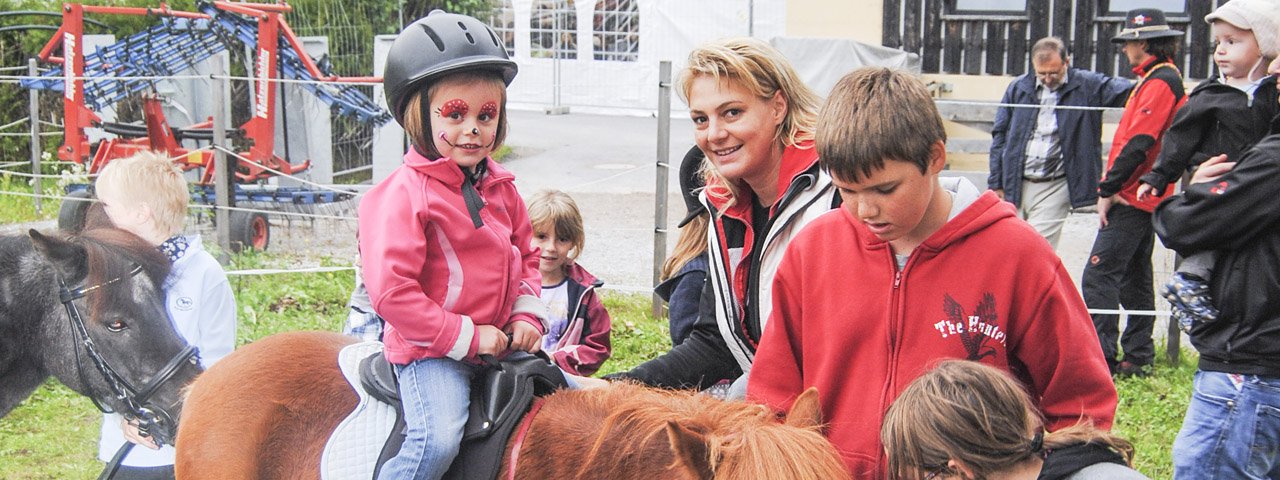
[(524, 337), (491, 340)]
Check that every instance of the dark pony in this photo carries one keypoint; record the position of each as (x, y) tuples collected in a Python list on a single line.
[(266, 410), (113, 281)]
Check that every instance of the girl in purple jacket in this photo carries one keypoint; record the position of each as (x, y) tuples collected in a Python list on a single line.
[(445, 239)]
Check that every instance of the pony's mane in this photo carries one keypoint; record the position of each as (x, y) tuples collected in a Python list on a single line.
[(745, 440), (112, 253)]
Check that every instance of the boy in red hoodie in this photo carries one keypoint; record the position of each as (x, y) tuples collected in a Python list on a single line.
[(938, 270)]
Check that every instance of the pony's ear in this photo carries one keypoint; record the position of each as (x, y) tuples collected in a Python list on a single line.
[(806, 411), (690, 450), (68, 258)]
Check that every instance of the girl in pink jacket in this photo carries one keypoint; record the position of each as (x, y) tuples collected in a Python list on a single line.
[(578, 326), (445, 240)]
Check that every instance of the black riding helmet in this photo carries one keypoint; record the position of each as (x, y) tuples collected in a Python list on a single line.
[(438, 44)]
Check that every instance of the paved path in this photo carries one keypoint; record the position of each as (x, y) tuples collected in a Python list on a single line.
[(606, 164)]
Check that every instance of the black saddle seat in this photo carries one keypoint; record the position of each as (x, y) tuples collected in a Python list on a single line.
[(500, 396)]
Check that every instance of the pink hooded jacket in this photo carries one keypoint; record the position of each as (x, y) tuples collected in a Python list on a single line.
[(432, 274)]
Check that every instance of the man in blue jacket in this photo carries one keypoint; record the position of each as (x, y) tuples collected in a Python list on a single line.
[(1047, 160)]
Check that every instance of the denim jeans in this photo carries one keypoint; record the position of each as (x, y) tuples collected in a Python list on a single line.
[(435, 393), (1232, 429)]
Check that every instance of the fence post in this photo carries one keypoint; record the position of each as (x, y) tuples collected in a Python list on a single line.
[(33, 116), (660, 186), (556, 108), (222, 190)]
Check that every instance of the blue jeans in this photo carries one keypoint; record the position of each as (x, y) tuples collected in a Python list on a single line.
[(1231, 431), (435, 393)]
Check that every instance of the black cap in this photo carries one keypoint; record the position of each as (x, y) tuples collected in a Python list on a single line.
[(1144, 24), (690, 182), (436, 45)]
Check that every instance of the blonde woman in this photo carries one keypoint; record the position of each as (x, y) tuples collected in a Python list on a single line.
[(965, 420), (754, 120)]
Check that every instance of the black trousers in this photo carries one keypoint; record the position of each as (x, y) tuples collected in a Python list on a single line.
[(1118, 273)]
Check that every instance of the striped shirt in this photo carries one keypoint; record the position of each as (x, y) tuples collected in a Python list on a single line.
[(1044, 148)]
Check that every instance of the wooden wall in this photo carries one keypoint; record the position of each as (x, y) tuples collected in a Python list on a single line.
[(999, 44)]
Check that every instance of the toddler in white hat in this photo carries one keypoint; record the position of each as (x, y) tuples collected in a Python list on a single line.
[(1226, 115)]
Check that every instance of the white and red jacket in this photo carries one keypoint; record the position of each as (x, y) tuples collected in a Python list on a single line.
[(431, 273), (984, 287), (585, 343)]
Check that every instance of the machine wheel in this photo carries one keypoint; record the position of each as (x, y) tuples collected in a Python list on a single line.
[(72, 212), (249, 230)]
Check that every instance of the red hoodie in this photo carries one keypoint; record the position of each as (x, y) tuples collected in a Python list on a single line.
[(431, 273), (983, 287)]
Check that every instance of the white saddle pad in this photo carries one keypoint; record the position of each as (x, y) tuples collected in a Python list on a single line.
[(352, 451)]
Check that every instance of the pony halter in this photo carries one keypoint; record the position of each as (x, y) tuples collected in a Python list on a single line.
[(154, 420)]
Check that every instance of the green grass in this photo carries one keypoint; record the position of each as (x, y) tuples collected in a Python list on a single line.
[(20, 207), (1151, 410), (53, 435)]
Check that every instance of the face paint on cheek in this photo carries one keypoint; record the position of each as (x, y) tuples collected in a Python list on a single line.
[(445, 139), (452, 107)]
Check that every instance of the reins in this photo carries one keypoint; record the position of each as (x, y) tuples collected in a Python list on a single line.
[(521, 433), (153, 420)]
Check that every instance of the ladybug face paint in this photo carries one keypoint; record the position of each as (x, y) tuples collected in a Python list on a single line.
[(489, 110), (453, 109), (460, 131)]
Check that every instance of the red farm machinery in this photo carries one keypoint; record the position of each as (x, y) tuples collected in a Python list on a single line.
[(131, 66)]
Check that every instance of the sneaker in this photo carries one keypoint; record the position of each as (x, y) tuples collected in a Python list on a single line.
[(1127, 369), (1185, 320), (1190, 293)]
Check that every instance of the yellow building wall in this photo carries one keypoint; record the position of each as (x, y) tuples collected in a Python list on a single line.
[(861, 20)]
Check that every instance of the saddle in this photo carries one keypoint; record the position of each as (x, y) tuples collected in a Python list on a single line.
[(500, 396)]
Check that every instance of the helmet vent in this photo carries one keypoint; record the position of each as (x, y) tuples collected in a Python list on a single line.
[(434, 37), (494, 37), (469, 39)]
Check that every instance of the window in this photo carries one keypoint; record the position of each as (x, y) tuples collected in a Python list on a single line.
[(503, 21), (990, 6), (615, 32), (552, 29), (1170, 8)]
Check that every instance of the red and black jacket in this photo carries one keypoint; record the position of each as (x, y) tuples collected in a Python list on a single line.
[(1147, 115)]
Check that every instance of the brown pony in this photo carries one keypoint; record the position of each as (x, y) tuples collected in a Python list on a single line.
[(266, 411)]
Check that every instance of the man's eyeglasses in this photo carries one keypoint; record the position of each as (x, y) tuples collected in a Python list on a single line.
[(1051, 75)]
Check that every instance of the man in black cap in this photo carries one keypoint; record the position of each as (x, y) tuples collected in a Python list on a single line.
[(1118, 272)]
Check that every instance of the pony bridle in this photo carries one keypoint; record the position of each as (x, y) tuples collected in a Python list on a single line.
[(153, 420)]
